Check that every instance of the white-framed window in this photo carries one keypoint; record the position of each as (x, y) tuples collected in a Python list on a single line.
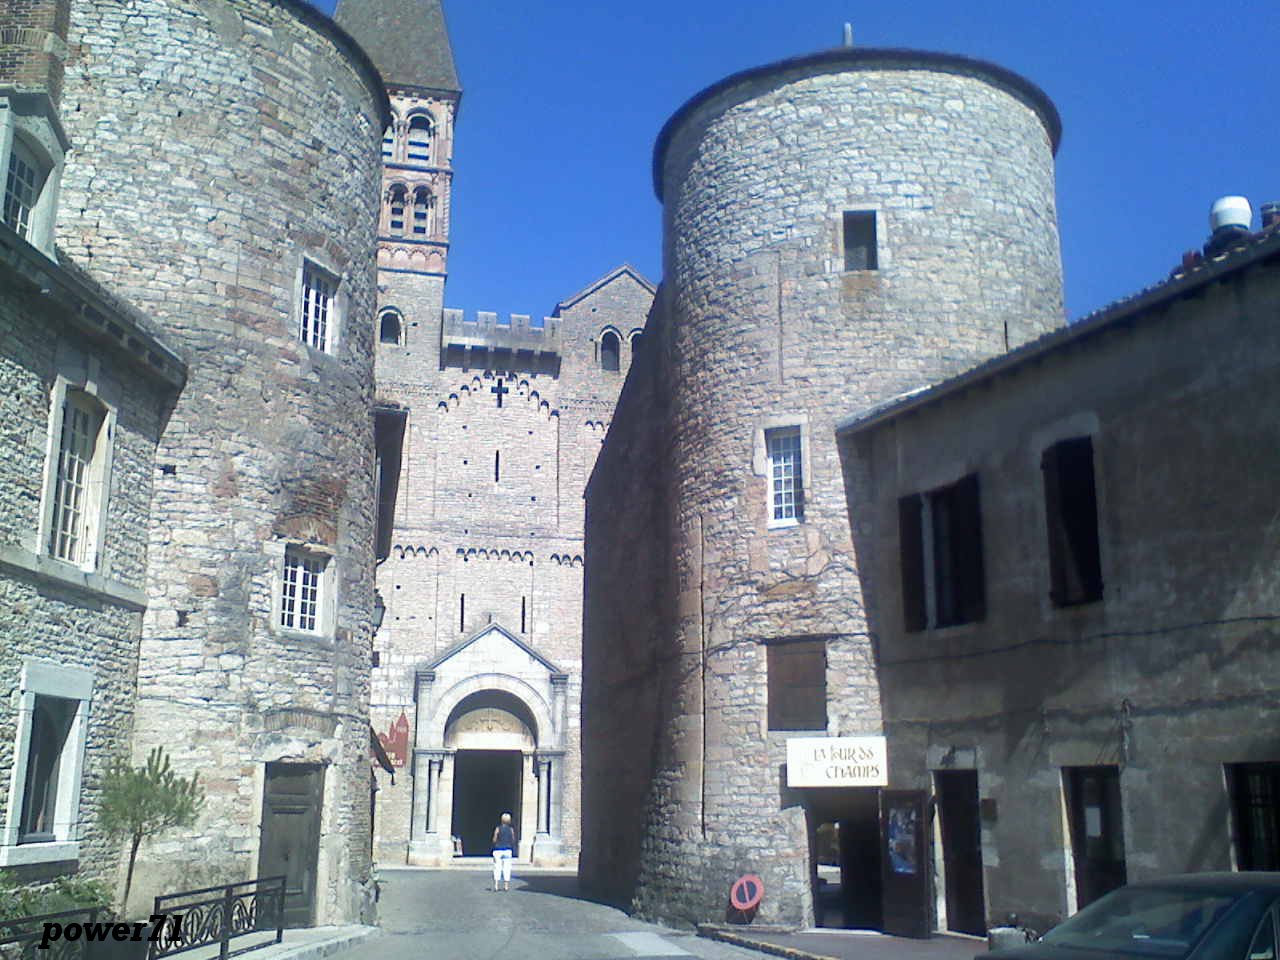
[(786, 475), (319, 315), (77, 476), (24, 180), (41, 823), (305, 591)]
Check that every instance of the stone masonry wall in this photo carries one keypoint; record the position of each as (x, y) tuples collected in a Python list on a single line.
[(509, 544), (767, 329), (49, 611), (1170, 676), (258, 132)]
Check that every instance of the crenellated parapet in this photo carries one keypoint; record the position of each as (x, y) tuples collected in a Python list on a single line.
[(538, 337)]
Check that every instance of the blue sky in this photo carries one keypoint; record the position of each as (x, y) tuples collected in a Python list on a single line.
[(1166, 106)]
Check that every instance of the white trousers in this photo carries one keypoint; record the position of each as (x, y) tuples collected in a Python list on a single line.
[(501, 867)]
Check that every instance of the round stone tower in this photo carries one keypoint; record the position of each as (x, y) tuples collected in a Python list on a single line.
[(224, 178), (838, 228)]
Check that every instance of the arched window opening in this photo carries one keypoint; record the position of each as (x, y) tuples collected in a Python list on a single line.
[(636, 340), (424, 206), (390, 327), (420, 135), (395, 214), (610, 350)]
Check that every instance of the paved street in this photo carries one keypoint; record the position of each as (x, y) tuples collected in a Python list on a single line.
[(451, 915)]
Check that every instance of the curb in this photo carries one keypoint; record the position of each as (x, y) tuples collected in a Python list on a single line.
[(324, 948), (763, 946)]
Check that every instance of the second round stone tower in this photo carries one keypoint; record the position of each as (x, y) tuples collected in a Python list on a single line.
[(838, 229)]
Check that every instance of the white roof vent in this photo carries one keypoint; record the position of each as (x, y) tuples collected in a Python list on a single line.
[(1230, 212)]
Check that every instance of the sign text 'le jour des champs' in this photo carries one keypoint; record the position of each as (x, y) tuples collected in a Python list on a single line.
[(837, 762)]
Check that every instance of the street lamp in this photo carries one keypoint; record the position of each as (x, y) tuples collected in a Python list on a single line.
[(379, 610)]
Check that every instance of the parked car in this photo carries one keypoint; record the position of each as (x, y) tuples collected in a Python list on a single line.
[(1200, 916)]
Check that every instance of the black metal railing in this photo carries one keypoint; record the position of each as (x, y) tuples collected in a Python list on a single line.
[(23, 936), (197, 918)]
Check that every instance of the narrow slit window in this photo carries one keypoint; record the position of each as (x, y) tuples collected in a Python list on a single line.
[(497, 466), (523, 614), (860, 251), (462, 612)]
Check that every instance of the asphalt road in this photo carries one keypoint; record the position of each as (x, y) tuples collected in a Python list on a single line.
[(452, 915)]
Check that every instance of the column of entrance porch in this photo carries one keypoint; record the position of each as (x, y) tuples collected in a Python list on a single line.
[(431, 840), (548, 841)]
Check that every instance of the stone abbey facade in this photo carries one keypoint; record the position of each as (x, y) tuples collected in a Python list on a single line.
[(490, 427)]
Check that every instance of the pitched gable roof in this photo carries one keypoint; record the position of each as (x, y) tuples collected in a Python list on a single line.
[(484, 631), (612, 276)]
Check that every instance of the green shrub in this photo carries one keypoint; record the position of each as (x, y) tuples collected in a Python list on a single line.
[(65, 893)]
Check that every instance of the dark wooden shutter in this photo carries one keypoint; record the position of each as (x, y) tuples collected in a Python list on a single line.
[(1059, 590), (911, 548)]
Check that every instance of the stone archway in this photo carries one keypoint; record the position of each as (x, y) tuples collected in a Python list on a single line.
[(487, 741), (491, 737)]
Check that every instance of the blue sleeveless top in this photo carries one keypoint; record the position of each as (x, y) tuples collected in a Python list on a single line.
[(506, 837)]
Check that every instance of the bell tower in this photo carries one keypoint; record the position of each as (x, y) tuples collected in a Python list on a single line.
[(409, 43)]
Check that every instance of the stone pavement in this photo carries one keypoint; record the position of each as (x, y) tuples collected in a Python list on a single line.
[(450, 914), (846, 944)]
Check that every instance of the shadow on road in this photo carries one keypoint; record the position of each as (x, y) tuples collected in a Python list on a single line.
[(557, 885)]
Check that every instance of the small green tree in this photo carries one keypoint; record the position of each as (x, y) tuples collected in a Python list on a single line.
[(139, 802)]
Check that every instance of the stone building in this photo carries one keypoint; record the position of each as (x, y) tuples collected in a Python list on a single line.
[(837, 229), (490, 427), (215, 166), (940, 603), (1104, 710)]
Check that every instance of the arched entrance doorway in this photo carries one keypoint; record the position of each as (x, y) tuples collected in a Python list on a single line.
[(493, 737), (482, 707)]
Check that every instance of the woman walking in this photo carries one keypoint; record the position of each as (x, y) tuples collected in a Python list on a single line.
[(504, 846)]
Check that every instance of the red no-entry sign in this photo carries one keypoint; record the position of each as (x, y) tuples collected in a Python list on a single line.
[(747, 892)]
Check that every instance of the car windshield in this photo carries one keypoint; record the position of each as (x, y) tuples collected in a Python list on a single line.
[(1148, 921)]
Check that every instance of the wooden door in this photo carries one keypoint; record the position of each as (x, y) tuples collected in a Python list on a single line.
[(962, 850), (903, 814), (290, 842), (1097, 830)]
